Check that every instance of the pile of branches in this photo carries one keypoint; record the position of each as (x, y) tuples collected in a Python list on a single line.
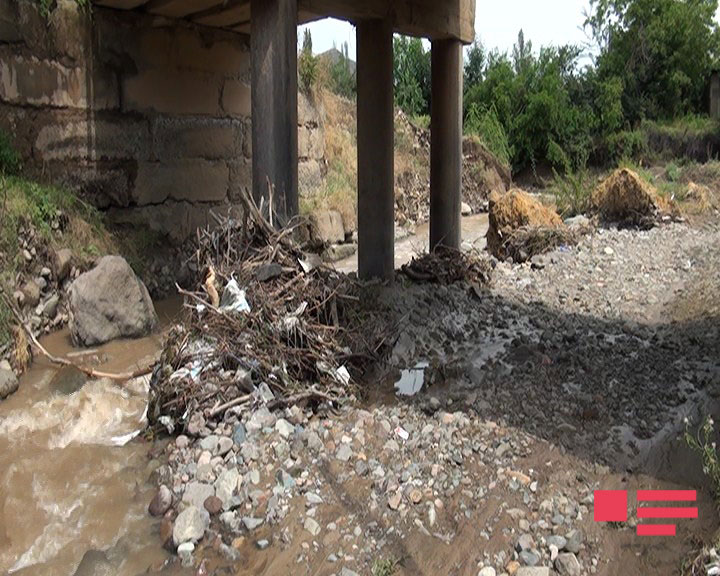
[(284, 326), (529, 241), (447, 266)]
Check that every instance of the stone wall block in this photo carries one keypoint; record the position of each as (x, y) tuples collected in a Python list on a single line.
[(208, 138), (172, 92), (236, 98), (187, 180)]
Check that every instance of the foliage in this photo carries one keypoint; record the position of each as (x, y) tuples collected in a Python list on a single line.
[(307, 65), (9, 158), (573, 191), (411, 65), (343, 80), (703, 443), (385, 567), (662, 51), (474, 64), (485, 125)]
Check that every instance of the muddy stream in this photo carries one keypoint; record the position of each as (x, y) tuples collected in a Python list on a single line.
[(73, 481)]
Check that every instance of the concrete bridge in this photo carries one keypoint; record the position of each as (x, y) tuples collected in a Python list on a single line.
[(272, 25)]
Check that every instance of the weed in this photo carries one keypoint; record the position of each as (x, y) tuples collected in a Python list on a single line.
[(486, 125), (385, 567), (9, 158), (573, 192), (703, 443)]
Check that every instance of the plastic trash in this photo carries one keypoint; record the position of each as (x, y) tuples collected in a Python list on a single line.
[(234, 299), (342, 375), (400, 432)]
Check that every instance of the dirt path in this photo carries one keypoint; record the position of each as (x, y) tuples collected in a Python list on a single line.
[(566, 376)]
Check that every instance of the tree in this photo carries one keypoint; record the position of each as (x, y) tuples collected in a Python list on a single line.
[(411, 67), (662, 51), (343, 80), (307, 64), (474, 65)]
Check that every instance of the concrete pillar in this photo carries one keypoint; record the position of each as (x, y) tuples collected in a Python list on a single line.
[(446, 144), (273, 43), (375, 136)]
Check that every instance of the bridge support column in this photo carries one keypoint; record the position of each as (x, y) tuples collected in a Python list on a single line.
[(446, 144), (375, 136), (273, 43)]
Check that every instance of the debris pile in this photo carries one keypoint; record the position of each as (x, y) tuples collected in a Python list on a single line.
[(284, 330), (624, 197), (447, 266), (519, 225)]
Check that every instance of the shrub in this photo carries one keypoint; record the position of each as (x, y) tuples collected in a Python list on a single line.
[(9, 158), (307, 65), (703, 443), (486, 126), (573, 191)]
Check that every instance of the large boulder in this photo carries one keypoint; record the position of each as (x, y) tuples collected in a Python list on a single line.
[(326, 227), (109, 302), (626, 198), (512, 211), (8, 382)]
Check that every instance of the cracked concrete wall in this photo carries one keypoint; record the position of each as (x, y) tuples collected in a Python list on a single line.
[(146, 117)]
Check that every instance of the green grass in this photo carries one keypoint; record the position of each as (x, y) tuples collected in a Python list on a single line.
[(23, 204), (385, 567), (573, 192)]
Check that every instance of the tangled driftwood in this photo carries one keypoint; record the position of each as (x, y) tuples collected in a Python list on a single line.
[(305, 332)]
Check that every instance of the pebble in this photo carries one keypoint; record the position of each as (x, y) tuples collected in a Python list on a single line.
[(161, 502), (344, 453), (567, 565), (190, 525), (312, 526)]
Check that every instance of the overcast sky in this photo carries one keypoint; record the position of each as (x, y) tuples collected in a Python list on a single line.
[(497, 24)]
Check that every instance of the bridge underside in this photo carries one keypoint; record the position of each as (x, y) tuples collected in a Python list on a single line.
[(272, 25)]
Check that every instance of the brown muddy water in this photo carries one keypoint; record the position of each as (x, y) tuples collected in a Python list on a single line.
[(72, 483)]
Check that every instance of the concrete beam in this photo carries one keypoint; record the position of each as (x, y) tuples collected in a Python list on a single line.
[(375, 135), (446, 144), (273, 43)]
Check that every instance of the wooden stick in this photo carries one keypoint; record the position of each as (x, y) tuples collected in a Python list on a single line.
[(92, 373)]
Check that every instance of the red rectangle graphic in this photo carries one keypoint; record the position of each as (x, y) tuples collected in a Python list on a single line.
[(667, 495), (611, 506), (656, 530), (667, 512)]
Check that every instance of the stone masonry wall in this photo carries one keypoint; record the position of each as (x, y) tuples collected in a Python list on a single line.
[(149, 118)]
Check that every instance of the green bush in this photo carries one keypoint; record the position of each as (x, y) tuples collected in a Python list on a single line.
[(485, 125), (627, 145), (9, 158), (573, 192), (307, 65)]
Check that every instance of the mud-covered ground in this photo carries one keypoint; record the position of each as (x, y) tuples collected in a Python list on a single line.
[(567, 375)]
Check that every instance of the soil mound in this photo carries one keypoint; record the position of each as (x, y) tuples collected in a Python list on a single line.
[(624, 197), (513, 212)]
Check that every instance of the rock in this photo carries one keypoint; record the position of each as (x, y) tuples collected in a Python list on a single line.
[(209, 443), (487, 571), (31, 292), (185, 552), (312, 526), (511, 211), (465, 209), (109, 302), (557, 541), (62, 263), (239, 434), (337, 252), (576, 222), (326, 227), (252, 523), (533, 571), (574, 541), (196, 493), (224, 446), (262, 544), (625, 197), (190, 525), (8, 383), (347, 572), (50, 307), (529, 557), (344, 453), (284, 428), (525, 542), (226, 485), (161, 502), (567, 565), (394, 500), (213, 505)]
